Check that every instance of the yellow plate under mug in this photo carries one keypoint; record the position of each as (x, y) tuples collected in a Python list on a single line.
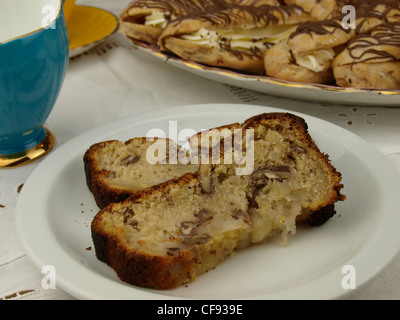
[(88, 26)]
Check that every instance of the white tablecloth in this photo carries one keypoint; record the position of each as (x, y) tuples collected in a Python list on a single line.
[(113, 81)]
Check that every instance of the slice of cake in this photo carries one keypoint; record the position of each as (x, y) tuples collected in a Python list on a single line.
[(260, 178), (116, 170)]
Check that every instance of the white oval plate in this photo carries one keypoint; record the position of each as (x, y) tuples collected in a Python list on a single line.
[(55, 210), (280, 88)]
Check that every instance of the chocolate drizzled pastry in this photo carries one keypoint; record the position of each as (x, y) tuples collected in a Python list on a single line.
[(323, 27), (371, 60), (319, 9), (308, 53), (235, 38), (145, 19), (373, 13), (382, 45), (375, 4), (313, 36), (252, 36)]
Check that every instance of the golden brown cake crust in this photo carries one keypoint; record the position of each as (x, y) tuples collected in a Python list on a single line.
[(103, 193), (139, 268)]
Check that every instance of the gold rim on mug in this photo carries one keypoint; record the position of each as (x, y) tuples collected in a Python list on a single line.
[(33, 154)]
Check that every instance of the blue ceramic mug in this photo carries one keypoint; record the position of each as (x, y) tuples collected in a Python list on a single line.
[(33, 61)]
